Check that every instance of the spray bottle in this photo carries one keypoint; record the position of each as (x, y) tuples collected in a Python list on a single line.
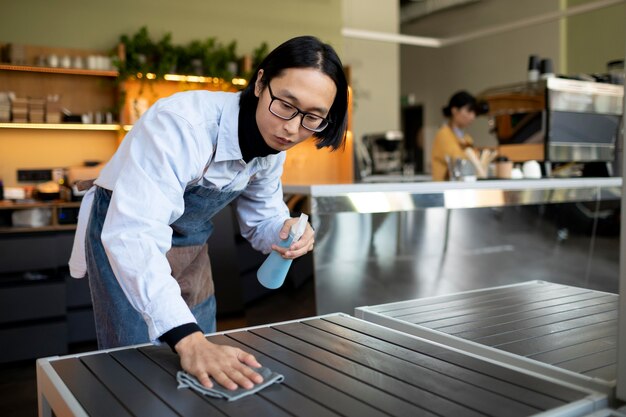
[(274, 269)]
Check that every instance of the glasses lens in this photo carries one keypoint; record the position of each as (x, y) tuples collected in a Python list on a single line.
[(286, 111), (314, 123), (283, 109)]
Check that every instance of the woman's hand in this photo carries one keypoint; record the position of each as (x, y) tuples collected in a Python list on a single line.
[(225, 364), (299, 248)]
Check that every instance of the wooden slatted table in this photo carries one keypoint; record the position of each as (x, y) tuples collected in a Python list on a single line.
[(333, 365), (560, 331)]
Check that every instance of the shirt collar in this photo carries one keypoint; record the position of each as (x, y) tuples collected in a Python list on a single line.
[(227, 145), (459, 133)]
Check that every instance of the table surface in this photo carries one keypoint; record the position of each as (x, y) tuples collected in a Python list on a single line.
[(333, 365), (571, 328)]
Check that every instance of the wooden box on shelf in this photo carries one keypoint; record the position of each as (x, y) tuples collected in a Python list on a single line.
[(139, 94)]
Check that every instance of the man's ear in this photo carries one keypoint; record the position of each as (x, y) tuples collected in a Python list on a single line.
[(258, 84)]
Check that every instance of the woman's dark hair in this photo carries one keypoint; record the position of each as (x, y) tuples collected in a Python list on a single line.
[(459, 100), (308, 52)]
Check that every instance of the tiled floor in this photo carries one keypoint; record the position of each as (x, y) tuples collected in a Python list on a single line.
[(18, 383)]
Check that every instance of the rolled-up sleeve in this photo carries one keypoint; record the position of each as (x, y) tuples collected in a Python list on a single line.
[(261, 210), (162, 156)]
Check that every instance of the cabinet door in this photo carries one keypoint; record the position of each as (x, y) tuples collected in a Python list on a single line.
[(33, 341), (32, 301), (34, 251)]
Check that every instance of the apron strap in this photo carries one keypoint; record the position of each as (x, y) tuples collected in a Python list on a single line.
[(206, 168)]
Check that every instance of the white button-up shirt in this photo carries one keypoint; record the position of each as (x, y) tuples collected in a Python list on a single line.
[(169, 147)]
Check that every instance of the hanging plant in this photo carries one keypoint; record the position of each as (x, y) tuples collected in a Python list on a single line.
[(165, 56), (223, 58), (199, 57), (137, 49)]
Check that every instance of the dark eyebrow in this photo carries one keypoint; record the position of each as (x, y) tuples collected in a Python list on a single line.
[(314, 110)]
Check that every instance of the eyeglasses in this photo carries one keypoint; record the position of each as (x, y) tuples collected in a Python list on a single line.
[(286, 111)]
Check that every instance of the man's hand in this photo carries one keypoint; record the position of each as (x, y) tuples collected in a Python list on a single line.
[(225, 364), (299, 248)]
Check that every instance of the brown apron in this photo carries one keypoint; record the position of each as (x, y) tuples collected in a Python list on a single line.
[(191, 267)]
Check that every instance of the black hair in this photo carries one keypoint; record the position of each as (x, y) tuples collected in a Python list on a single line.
[(459, 100), (307, 52)]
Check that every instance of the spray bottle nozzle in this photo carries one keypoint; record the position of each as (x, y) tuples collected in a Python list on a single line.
[(298, 229)]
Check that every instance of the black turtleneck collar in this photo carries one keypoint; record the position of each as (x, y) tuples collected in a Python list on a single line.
[(251, 142)]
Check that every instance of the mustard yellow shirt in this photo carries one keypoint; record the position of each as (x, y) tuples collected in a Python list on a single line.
[(447, 143)]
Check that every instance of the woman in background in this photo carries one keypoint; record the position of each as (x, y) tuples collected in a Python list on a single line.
[(451, 140)]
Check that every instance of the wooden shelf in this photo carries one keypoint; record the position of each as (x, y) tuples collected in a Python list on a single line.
[(53, 205), (237, 81), (56, 228), (50, 70), (63, 126), (11, 205)]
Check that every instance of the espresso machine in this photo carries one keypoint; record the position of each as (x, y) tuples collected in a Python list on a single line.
[(557, 121), (379, 155)]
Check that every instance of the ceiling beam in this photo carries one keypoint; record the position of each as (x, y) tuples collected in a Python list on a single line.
[(431, 42)]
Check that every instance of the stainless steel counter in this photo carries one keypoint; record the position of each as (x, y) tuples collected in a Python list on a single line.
[(401, 196), (383, 242)]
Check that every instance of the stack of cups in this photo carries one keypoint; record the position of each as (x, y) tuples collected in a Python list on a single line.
[(533, 68), (545, 67), (539, 68)]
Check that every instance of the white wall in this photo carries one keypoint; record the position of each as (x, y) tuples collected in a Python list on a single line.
[(375, 66), (433, 75), (592, 39)]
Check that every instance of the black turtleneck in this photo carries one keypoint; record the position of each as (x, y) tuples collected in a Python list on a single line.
[(251, 142)]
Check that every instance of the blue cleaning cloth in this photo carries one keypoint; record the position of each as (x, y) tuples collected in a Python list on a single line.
[(186, 380)]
